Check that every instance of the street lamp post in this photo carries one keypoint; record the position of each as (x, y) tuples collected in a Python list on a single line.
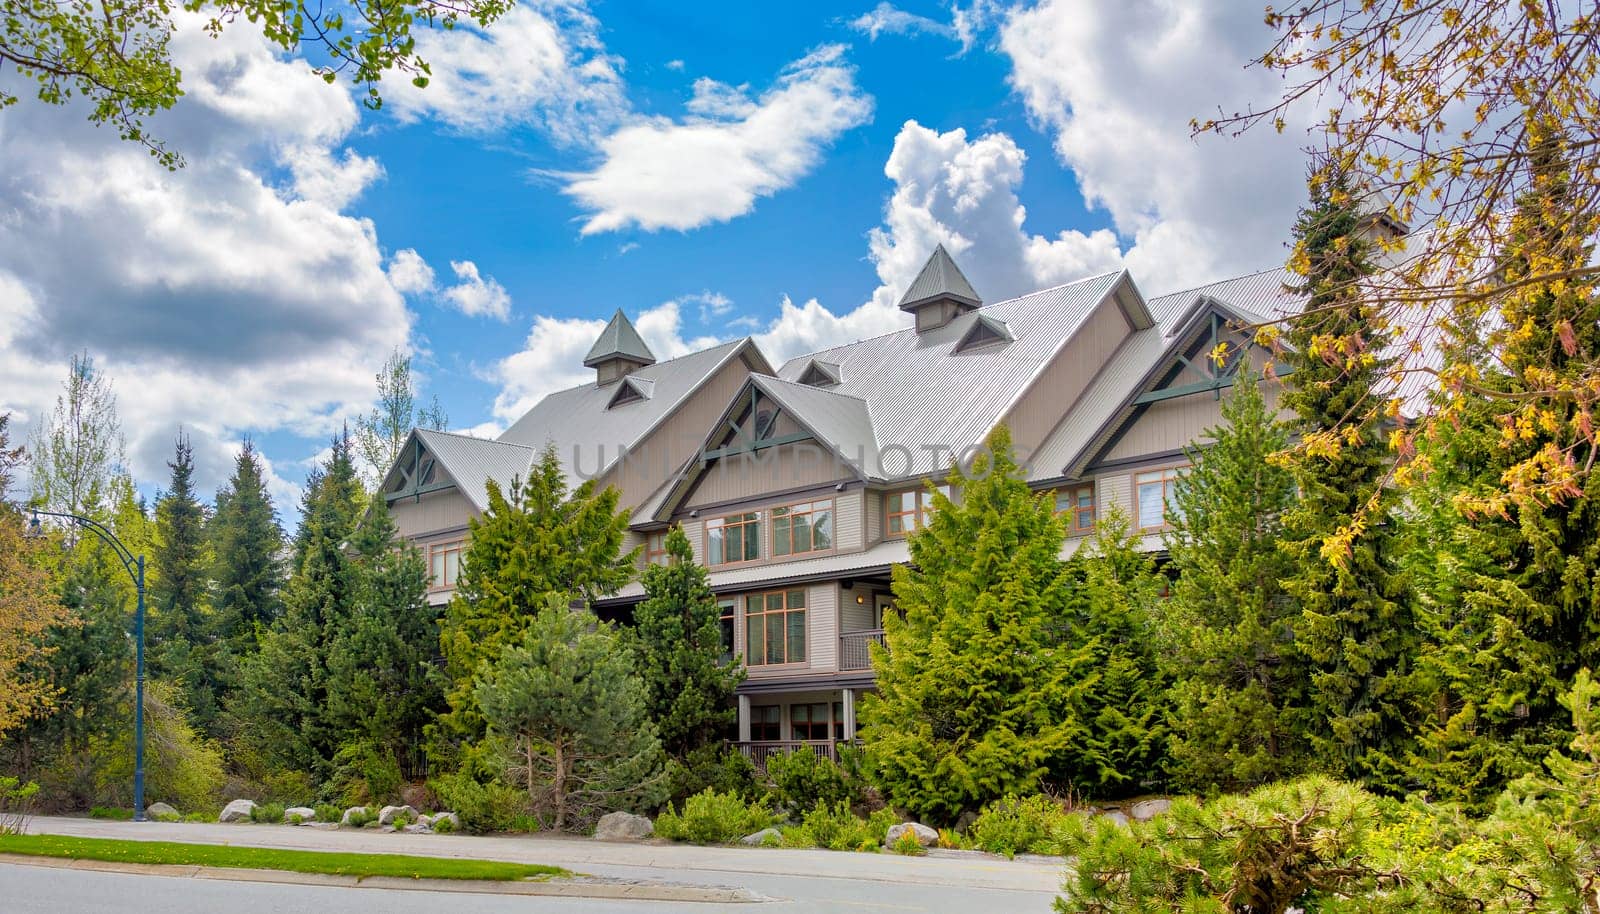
[(134, 565)]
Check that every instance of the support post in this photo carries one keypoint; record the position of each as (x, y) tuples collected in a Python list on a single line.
[(744, 718), (138, 698), (849, 714)]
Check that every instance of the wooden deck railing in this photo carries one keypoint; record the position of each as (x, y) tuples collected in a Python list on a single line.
[(759, 751)]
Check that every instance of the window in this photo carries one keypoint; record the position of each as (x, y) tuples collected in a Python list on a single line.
[(808, 721), (655, 548), (909, 510), (766, 723), (736, 538), (1077, 504), (802, 528), (838, 720), (726, 625), (775, 627), (1154, 492), (444, 563)]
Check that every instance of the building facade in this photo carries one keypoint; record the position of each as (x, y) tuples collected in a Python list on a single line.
[(798, 485)]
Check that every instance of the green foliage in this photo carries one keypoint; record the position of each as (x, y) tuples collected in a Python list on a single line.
[(1011, 826), (444, 826), (327, 812), (717, 767), (566, 715), (361, 818), (381, 433), (267, 813), (182, 767), (167, 817), (835, 827), (246, 545), (1226, 634), (484, 807), (908, 845), (16, 804), (979, 690), (182, 648), (712, 818), (677, 638), (115, 813), (365, 774), (803, 779)]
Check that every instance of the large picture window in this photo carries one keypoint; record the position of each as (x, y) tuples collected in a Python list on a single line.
[(736, 538), (766, 723), (808, 721), (909, 510), (1154, 491), (444, 564), (1077, 506), (802, 528), (775, 627)]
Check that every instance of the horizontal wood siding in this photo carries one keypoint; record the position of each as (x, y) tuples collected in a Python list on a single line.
[(1114, 491), (853, 616), (822, 626), (847, 526), (414, 519), (1064, 379), (872, 499)]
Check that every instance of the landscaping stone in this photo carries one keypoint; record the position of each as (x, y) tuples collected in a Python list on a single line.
[(1149, 809), (452, 818), (305, 813), (418, 828), (345, 819), (926, 836), (760, 838), (1115, 815), (623, 826), (159, 811), (386, 815), (237, 811)]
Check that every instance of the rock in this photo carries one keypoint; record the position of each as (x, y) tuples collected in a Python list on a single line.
[(1115, 815), (964, 822), (386, 815), (1149, 809), (623, 826), (417, 829), (237, 811), (160, 812), (926, 836), (345, 819), (762, 837), (452, 818), (306, 814)]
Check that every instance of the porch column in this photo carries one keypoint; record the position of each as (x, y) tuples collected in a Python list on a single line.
[(744, 718), (849, 714)]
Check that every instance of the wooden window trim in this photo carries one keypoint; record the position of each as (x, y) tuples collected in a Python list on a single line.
[(757, 517), (459, 547), (921, 513), (743, 627), (1075, 508), (1168, 485), (651, 554), (777, 725), (811, 508), (811, 724)]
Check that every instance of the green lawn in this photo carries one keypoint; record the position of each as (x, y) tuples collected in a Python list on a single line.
[(360, 865)]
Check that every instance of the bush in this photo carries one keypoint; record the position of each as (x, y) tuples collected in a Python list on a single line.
[(444, 826), (525, 824), (267, 813), (200, 817), (111, 812), (361, 818), (716, 767), (1011, 826), (366, 775), (908, 845), (709, 817), (803, 780), (952, 840), (181, 766), (167, 817), (295, 819), (483, 807), (327, 812), (838, 829), (16, 805)]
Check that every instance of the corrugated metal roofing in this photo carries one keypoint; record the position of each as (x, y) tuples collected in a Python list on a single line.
[(939, 278), (837, 418), (472, 462), (882, 555), (618, 339)]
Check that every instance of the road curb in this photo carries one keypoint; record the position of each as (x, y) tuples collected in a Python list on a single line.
[(578, 887)]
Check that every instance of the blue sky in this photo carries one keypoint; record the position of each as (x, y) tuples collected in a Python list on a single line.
[(714, 169)]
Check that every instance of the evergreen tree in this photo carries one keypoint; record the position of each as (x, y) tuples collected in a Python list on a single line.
[(1509, 576), (677, 632), (1356, 630), (981, 683), (247, 546), (535, 541), (567, 718), (1226, 632), (181, 648)]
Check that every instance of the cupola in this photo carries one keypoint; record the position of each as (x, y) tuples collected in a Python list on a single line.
[(939, 293), (619, 351)]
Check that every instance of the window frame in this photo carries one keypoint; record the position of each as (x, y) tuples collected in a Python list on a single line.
[(652, 555), (812, 725), (757, 712), (1168, 478), (812, 508), (728, 627), (787, 610), (720, 523), (1075, 507), (922, 513), (459, 548)]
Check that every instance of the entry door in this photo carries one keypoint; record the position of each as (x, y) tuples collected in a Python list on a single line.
[(881, 603)]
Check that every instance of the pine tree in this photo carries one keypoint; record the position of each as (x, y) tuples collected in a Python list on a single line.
[(535, 541), (1226, 632), (1356, 631), (981, 680), (181, 647), (247, 546), (677, 634), (567, 718)]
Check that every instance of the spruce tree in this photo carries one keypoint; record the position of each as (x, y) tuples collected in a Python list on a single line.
[(1226, 633), (981, 680), (181, 640), (536, 540), (677, 634), (1356, 630), (247, 546)]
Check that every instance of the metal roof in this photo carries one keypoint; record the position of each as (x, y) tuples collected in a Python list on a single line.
[(873, 559), (619, 339), (939, 278), (472, 462), (839, 419)]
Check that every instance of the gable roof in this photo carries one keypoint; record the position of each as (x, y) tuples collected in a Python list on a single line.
[(470, 462), (984, 331), (619, 340), (820, 374), (939, 278)]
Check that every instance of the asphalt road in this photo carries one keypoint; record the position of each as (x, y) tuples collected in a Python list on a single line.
[(808, 881)]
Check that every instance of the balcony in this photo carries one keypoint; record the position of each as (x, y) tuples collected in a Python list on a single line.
[(758, 751), (853, 651)]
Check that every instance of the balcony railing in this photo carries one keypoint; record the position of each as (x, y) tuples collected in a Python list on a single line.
[(758, 751), (853, 651)]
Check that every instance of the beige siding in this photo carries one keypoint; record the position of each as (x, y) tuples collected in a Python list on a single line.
[(693, 529), (847, 525), (1114, 491), (435, 511), (822, 626), (1063, 380), (774, 469), (1168, 425), (853, 616), (873, 500)]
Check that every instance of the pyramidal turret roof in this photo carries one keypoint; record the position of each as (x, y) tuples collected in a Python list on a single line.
[(619, 340), (940, 278)]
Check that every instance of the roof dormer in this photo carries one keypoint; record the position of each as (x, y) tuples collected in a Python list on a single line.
[(820, 374), (940, 292), (619, 351), (631, 390), (985, 331)]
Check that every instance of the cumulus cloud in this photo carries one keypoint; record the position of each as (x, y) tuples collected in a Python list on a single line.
[(476, 295), (1117, 85), (409, 273), (730, 150), (888, 19)]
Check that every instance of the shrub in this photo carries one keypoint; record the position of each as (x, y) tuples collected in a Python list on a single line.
[(166, 817), (908, 845), (1011, 826), (267, 813), (952, 840), (709, 817), (182, 767), (803, 780), (444, 826), (837, 828), (489, 807), (16, 805), (525, 824), (327, 812), (111, 812), (362, 817), (366, 774), (200, 817), (717, 767), (295, 819)]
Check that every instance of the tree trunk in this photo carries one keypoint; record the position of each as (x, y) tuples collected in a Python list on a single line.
[(560, 785)]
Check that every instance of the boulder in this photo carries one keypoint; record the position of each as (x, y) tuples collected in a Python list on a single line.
[(623, 826), (1115, 815), (306, 814), (386, 815), (345, 819), (452, 818), (160, 811), (762, 837), (926, 836), (417, 829), (237, 811), (1149, 809)]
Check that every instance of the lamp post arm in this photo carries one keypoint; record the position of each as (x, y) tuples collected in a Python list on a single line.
[(124, 554)]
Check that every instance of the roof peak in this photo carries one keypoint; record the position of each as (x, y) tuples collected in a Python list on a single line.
[(939, 278), (619, 340)]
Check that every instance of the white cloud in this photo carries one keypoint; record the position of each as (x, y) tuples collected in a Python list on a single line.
[(409, 273), (476, 295), (675, 65), (542, 64), (1117, 84), (888, 19), (732, 149)]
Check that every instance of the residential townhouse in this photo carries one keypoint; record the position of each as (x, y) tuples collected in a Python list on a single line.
[(798, 486)]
